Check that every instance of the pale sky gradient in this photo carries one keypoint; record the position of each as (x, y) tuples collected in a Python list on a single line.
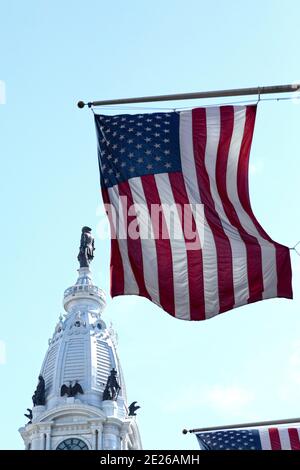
[(240, 366)]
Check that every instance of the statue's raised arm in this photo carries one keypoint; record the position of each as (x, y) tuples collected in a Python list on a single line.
[(86, 250)]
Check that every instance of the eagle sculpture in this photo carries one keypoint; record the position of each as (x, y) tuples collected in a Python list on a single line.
[(133, 408), (71, 390)]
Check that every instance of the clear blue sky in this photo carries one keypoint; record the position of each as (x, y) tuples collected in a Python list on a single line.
[(241, 366)]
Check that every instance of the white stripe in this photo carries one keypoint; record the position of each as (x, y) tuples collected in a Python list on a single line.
[(268, 250), (147, 239), (284, 439), (178, 248), (209, 254), (130, 285), (239, 254), (265, 439)]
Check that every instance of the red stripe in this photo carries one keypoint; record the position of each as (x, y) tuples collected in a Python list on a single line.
[(274, 439), (224, 253), (134, 245), (284, 271), (294, 438), (283, 261), (116, 264), (193, 248), (253, 249), (163, 247)]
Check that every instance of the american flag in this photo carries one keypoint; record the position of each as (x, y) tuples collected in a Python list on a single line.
[(188, 160), (264, 438)]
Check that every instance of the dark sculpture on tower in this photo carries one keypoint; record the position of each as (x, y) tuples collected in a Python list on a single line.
[(38, 397), (112, 387), (86, 250)]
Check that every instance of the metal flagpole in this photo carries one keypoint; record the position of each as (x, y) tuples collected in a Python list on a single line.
[(244, 425), (202, 94)]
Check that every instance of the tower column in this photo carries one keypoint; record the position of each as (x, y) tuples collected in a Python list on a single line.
[(111, 437), (99, 437), (48, 440)]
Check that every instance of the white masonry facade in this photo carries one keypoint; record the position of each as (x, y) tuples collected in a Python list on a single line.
[(84, 351)]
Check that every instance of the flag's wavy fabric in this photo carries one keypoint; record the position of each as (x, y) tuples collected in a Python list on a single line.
[(183, 231), (262, 438)]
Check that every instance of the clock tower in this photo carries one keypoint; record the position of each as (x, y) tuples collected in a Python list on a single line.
[(80, 401)]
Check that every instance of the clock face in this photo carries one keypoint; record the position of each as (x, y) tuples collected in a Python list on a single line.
[(72, 444)]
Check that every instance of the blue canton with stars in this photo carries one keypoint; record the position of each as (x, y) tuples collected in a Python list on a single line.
[(243, 439), (131, 145)]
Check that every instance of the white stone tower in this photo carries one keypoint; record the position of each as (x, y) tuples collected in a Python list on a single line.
[(82, 357)]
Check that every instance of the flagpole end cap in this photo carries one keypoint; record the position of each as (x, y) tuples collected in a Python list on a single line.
[(184, 431), (81, 104)]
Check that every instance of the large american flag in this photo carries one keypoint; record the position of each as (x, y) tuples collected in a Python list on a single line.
[(188, 159), (262, 438)]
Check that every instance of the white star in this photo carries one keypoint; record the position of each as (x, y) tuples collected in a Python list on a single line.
[(114, 134), (110, 170), (107, 131), (115, 123), (122, 150), (148, 139), (109, 157), (140, 116), (168, 165), (106, 181), (138, 146), (158, 117), (166, 141), (166, 152), (158, 159), (131, 154), (138, 133), (148, 152), (149, 167), (130, 129), (139, 124), (103, 167), (129, 141), (166, 131), (156, 146), (157, 134), (148, 129), (116, 160), (122, 137), (122, 126), (166, 122), (140, 160), (168, 115), (114, 146), (131, 120), (102, 140), (123, 119), (148, 120), (118, 175), (132, 169), (157, 125), (123, 164)]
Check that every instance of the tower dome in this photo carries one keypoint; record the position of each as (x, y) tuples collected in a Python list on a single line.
[(80, 401)]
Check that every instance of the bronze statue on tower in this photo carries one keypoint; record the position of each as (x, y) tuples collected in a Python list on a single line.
[(86, 250)]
